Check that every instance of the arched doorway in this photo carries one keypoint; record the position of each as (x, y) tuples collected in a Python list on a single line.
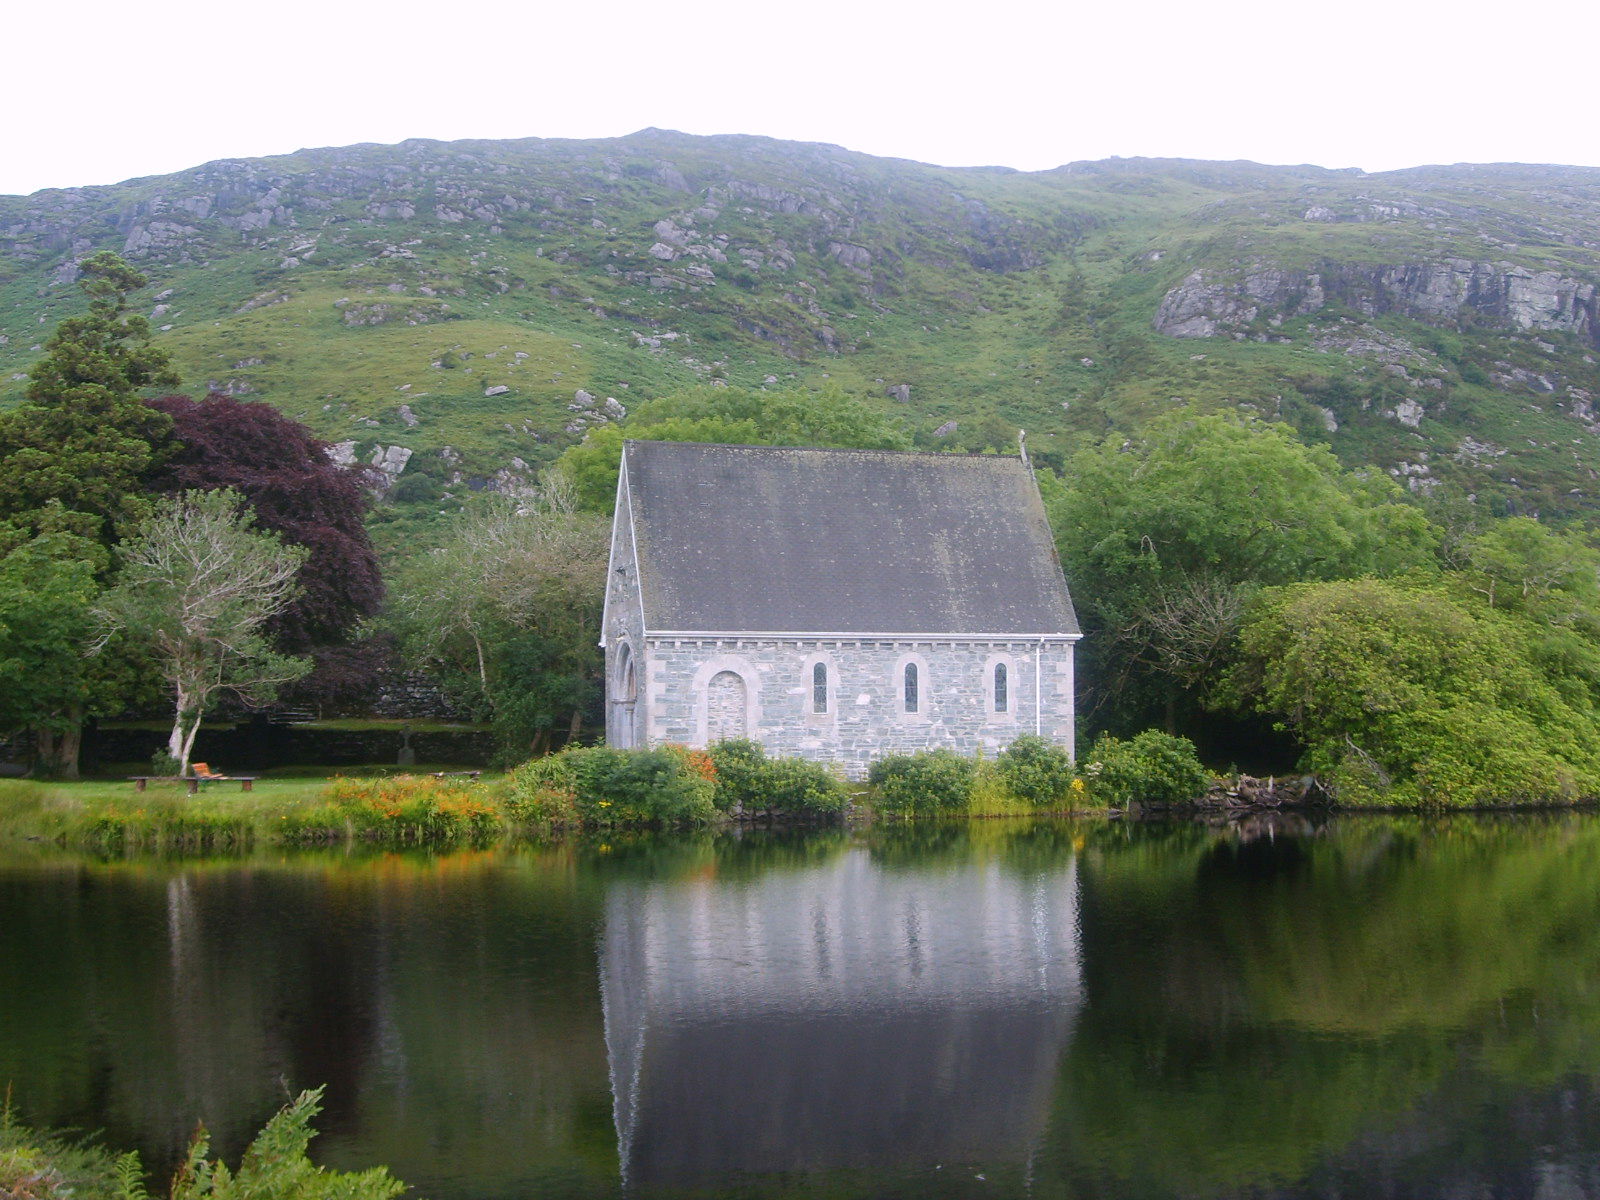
[(624, 697)]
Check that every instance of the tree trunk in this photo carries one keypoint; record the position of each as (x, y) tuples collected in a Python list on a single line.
[(188, 743), (70, 745), (56, 754), (576, 727)]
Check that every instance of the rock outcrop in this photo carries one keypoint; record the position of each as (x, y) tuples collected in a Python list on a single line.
[(1212, 303)]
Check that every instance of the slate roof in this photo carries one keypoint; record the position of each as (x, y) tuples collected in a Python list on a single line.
[(743, 539)]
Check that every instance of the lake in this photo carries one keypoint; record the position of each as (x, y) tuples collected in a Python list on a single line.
[(1404, 1007)]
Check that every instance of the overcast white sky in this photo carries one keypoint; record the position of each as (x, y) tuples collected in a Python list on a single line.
[(98, 92)]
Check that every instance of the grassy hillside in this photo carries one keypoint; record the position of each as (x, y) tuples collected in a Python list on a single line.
[(1438, 323)]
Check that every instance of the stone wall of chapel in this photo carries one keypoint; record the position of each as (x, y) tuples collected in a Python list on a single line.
[(625, 626), (866, 718)]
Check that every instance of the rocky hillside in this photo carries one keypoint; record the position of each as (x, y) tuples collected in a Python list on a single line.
[(459, 312)]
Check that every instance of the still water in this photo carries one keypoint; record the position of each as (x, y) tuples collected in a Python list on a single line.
[(1396, 1007)]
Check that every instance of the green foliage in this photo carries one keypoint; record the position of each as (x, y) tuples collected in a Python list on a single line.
[(751, 782), (1405, 693), (740, 416), (1151, 768), (602, 786), (543, 792), (275, 1165), (507, 610), (47, 590), (1037, 771), (1167, 536), (82, 439), (36, 1165), (922, 784)]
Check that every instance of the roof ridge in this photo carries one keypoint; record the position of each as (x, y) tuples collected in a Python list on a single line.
[(936, 454)]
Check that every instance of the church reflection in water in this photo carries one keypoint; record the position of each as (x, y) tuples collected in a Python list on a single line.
[(845, 1015)]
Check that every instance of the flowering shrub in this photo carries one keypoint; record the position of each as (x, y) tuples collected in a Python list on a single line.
[(1037, 771), (401, 808), (932, 781)]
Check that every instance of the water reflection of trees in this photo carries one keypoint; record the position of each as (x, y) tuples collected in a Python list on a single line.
[(1257, 1008), (449, 1002)]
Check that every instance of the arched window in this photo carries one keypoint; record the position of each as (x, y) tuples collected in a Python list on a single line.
[(627, 683), (911, 698), (819, 687), (1002, 698)]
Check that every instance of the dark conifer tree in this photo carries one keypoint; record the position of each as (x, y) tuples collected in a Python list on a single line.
[(72, 454)]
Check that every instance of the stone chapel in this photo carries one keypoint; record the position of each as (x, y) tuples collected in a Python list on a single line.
[(836, 605)]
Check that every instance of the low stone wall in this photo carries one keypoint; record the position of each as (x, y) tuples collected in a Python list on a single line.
[(258, 745)]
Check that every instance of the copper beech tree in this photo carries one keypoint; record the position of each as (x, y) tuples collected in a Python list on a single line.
[(285, 476)]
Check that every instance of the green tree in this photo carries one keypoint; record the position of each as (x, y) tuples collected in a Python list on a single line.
[(47, 591), (197, 584), (1166, 536), (1404, 692), (740, 416), (507, 608), (82, 438)]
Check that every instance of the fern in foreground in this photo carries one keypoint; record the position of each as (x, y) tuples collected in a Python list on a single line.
[(275, 1167)]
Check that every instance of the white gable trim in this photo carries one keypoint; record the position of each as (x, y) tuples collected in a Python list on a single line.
[(623, 507)]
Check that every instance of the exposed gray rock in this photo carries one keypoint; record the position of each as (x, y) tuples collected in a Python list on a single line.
[(848, 254), (343, 453), (410, 418), (1329, 421), (1204, 305), (391, 460), (498, 389), (581, 399), (421, 312), (1209, 301), (1512, 379), (1409, 413), (900, 392), (946, 429)]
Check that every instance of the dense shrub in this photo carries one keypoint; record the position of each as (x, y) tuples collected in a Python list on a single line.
[(543, 791), (1037, 771), (931, 781), (1153, 767), (750, 781), (600, 785)]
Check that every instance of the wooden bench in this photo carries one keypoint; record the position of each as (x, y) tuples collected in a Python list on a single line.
[(245, 782), (472, 775)]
